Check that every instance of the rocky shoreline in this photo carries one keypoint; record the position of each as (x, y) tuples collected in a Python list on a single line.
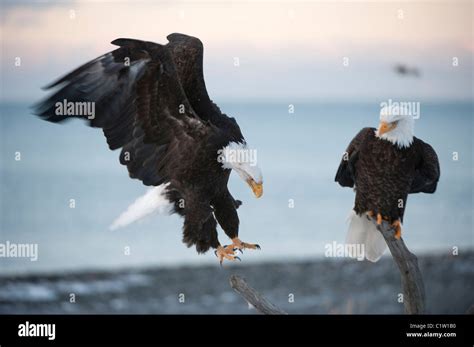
[(324, 286)]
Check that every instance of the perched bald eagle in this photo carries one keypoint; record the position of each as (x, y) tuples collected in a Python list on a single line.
[(384, 165), (151, 101)]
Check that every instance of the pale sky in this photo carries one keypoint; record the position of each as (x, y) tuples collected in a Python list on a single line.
[(287, 50)]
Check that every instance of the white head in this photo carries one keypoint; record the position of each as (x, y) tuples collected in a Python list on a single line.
[(396, 127), (238, 157)]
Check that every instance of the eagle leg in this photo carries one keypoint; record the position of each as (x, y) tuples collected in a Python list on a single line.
[(237, 244), (225, 253), (398, 229), (379, 219)]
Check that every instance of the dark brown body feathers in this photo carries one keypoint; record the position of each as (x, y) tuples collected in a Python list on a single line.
[(383, 174)]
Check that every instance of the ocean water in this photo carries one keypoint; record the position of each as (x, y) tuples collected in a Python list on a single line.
[(299, 154)]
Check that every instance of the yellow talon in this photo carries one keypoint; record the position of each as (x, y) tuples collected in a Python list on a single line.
[(237, 244), (225, 253), (379, 219), (398, 229)]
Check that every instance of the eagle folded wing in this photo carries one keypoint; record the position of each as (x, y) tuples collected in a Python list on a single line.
[(427, 171), (345, 175)]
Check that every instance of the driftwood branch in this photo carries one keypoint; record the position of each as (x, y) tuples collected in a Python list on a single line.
[(407, 262), (412, 281), (253, 297)]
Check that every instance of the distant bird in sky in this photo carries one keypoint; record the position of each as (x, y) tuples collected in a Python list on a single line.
[(405, 70), (383, 166), (151, 101)]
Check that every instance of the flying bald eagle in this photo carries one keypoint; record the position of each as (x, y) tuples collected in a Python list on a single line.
[(405, 70), (151, 101), (384, 166)]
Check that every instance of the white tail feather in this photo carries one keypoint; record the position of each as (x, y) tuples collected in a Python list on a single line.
[(154, 201), (364, 232)]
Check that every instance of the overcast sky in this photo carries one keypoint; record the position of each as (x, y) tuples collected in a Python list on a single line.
[(287, 51)]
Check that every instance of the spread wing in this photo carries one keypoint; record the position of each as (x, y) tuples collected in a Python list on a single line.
[(141, 105), (345, 175), (427, 171), (188, 54)]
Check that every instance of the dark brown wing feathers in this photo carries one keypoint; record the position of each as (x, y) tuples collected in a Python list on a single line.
[(145, 95)]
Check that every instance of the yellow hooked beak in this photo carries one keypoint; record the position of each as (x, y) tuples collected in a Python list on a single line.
[(386, 127), (257, 188)]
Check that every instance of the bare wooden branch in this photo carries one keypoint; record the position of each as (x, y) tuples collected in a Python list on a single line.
[(253, 297), (407, 262)]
